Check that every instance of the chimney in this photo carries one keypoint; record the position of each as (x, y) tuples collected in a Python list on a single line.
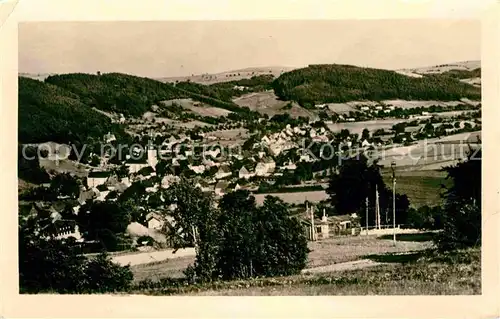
[(324, 218)]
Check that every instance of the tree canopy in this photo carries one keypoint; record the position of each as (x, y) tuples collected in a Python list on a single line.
[(343, 83)]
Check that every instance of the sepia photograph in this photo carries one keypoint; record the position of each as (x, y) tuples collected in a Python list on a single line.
[(250, 158)]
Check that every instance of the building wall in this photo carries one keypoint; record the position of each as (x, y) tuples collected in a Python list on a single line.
[(155, 224), (95, 181)]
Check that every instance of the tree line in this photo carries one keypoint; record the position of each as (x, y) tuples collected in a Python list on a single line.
[(343, 83)]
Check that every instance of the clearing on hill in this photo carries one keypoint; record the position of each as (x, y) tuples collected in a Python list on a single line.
[(198, 107), (268, 103)]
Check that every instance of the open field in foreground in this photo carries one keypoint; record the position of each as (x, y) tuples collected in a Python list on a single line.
[(419, 273), (323, 253)]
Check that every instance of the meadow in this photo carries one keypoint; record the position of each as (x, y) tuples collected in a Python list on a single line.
[(424, 272)]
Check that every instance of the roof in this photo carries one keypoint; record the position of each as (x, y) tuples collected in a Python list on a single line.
[(224, 169), (222, 185), (153, 215), (267, 159), (140, 160), (243, 170), (100, 174)]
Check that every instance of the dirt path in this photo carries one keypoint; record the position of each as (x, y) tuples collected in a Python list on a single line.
[(350, 265), (152, 257)]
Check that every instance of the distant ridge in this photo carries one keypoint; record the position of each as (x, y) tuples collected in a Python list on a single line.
[(232, 75)]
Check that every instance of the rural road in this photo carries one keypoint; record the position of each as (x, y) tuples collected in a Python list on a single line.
[(149, 257), (350, 265)]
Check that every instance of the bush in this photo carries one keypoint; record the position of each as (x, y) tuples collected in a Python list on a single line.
[(49, 265), (149, 241), (462, 228), (462, 209)]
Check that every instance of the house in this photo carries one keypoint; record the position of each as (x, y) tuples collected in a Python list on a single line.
[(168, 180), (221, 188), (365, 143), (198, 169), (365, 108), (350, 119), (269, 163), (152, 157), (102, 195), (86, 195), (66, 229), (201, 184), (122, 118), (223, 172), (265, 167), (96, 178), (244, 173), (379, 107), (137, 162), (152, 189), (155, 221), (289, 166), (108, 138), (329, 226)]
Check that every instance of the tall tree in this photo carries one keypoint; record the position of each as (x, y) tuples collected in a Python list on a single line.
[(462, 209), (356, 181), (194, 222)]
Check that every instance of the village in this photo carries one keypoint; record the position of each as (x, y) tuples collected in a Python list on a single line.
[(271, 160)]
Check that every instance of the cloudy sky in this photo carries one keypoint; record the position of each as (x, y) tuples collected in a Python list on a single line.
[(178, 48)]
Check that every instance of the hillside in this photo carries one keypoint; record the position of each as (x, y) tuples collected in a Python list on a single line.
[(233, 75), (50, 113), (116, 92), (441, 68), (342, 83)]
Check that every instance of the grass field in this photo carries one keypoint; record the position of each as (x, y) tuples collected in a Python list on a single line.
[(326, 252), (421, 187), (421, 273), (267, 103)]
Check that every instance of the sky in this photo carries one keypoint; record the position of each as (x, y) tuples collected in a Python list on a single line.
[(181, 48)]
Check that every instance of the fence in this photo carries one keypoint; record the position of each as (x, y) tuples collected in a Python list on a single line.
[(386, 230)]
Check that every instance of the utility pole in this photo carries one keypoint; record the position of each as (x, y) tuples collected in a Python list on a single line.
[(393, 166), (377, 208), (366, 215), (313, 230)]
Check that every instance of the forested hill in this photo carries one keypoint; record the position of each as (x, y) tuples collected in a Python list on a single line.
[(116, 92), (50, 113), (342, 83)]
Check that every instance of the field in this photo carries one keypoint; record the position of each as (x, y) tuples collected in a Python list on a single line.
[(358, 127), (464, 65), (453, 274), (333, 251), (421, 187), (388, 270), (202, 109), (232, 75), (267, 103), (430, 154)]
